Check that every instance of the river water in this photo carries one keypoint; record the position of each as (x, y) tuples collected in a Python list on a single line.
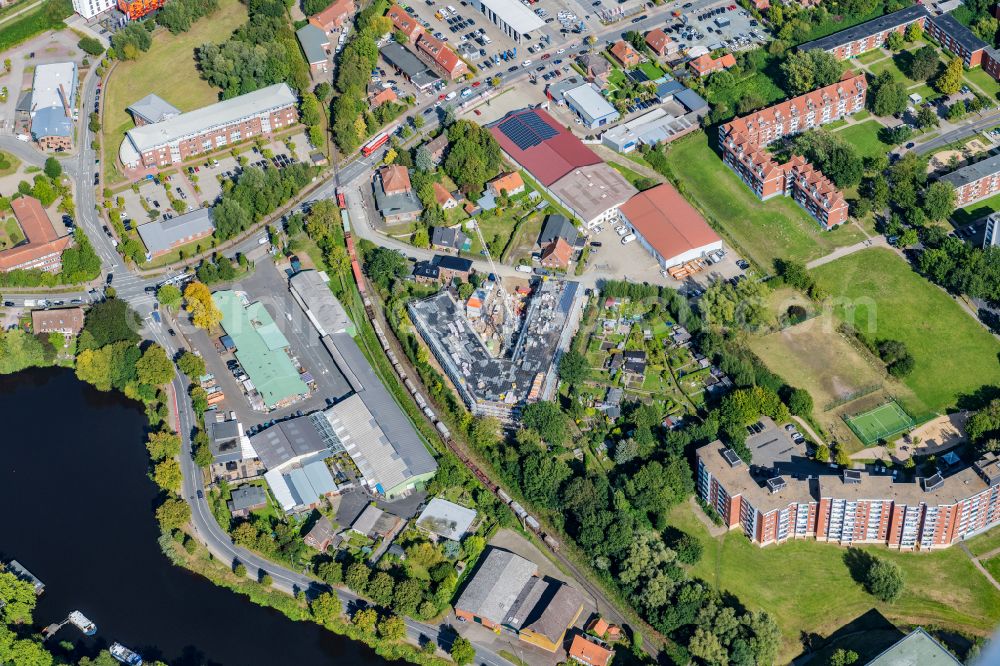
[(76, 508)]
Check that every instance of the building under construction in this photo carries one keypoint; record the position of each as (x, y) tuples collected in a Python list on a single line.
[(496, 378)]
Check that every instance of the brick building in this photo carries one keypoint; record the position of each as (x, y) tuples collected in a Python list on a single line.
[(42, 248), (440, 58), (869, 35), (210, 128), (957, 38), (706, 64), (853, 507), (744, 142), (975, 182), (334, 16)]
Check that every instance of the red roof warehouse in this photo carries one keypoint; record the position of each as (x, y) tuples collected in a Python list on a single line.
[(541, 145), (668, 226)]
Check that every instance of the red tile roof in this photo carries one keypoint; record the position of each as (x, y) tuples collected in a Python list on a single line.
[(667, 221), (334, 15), (404, 22), (441, 194), (552, 158), (586, 652), (624, 53), (445, 58), (706, 64), (395, 179), (509, 182), (381, 97), (557, 253), (657, 40), (41, 237)]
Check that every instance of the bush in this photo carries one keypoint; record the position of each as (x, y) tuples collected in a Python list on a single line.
[(91, 46)]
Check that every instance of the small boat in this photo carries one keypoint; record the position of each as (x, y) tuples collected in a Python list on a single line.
[(80, 621), (124, 655)]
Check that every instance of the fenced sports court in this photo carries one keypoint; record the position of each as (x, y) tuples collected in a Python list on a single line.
[(884, 421)]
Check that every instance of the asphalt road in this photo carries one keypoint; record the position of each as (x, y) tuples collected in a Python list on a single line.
[(968, 128)]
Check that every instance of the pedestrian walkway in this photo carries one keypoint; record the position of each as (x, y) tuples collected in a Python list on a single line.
[(976, 562), (878, 241)]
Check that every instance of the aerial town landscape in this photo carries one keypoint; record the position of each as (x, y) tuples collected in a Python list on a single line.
[(502, 332)]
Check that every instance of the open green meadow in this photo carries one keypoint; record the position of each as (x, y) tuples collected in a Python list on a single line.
[(976, 211), (864, 137), (879, 293)]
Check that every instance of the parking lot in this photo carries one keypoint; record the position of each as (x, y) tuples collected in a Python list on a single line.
[(724, 26), (781, 448)]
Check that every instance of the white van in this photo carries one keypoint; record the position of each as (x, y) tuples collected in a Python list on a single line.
[(523, 269), (628, 239)]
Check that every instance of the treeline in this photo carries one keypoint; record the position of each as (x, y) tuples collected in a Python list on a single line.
[(352, 119), (960, 267), (178, 16), (262, 52), (255, 194)]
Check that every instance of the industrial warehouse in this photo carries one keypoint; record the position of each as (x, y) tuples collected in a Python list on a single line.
[(494, 379)]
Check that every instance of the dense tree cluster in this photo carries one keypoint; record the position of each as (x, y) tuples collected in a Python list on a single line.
[(19, 350), (886, 95), (255, 194), (808, 70), (132, 39), (899, 362), (960, 267), (474, 156), (179, 15), (260, 53)]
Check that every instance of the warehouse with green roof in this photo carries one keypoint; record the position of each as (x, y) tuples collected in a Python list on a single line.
[(261, 348)]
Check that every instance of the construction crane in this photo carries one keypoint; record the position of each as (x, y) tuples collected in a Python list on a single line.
[(508, 320)]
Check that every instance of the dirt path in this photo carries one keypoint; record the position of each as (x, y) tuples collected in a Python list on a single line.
[(809, 431), (978, 565), (878, 241)]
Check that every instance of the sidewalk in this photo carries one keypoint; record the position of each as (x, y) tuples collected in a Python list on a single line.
[(878, 241)]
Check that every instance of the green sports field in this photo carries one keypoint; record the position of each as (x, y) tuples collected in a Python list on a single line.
[(880, 423)]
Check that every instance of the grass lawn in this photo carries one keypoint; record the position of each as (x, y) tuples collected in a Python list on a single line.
[(984, 543), (924, 90), (976, 210), (980, 79), (764, 230), (871, 56), (864, 137), (877, 290), (168, 70), (617, 77), (651, 70), (8, 164), (808, 587), (25, 26), (630, 175), (993, 566)]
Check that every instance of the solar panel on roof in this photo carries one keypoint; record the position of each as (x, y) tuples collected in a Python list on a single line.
[(527, 130)]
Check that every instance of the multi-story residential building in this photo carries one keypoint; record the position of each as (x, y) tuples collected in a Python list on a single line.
[(958, 39), (440, 58), (88, 9), (853, 507), (976, 181), (42, 247), (213, 127), (743, 143), (866, 36)]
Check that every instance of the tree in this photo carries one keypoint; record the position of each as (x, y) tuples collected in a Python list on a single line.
[(895, 41), (154, 367), (546, 419), (800, 402), (705, 645), (887, 96), (90, 46), (380, 588), (957, 111), (203, 454), (365, 619), (923, 64), (914, 32), (357, 576), (950, 80), (326, 607), (884, 580), (808, 70), (167, 475), (573, 367), (169, 296), (462, 651), (986, 29), (204, 313), (843, 657), (108, 321), (19, 599), (52, 168), (191, 364), (927, 117), (384, 265), (939, 201), (163, 444), (392, 628), (173, 514), (423, 160)]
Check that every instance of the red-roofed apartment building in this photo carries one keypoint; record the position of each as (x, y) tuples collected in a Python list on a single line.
[(706, 64), (43, 247), (440, 57), (668, 226), (744, 142), (334, 16)]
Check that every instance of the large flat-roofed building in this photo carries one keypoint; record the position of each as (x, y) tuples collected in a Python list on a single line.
[(869, 35), (500, 386), (302, 488), (53, 103), (262, 350), (42, 247), (366, 422), (410, 66), (772, 505), (176, 139), (590, 106), (975, 182), (566, 168), (957, 38), (163, 236), (446, 519), (668, 226), (917, 648), (514, 19), (505, 592), (744, 141), (315, 45), (649, 129)]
